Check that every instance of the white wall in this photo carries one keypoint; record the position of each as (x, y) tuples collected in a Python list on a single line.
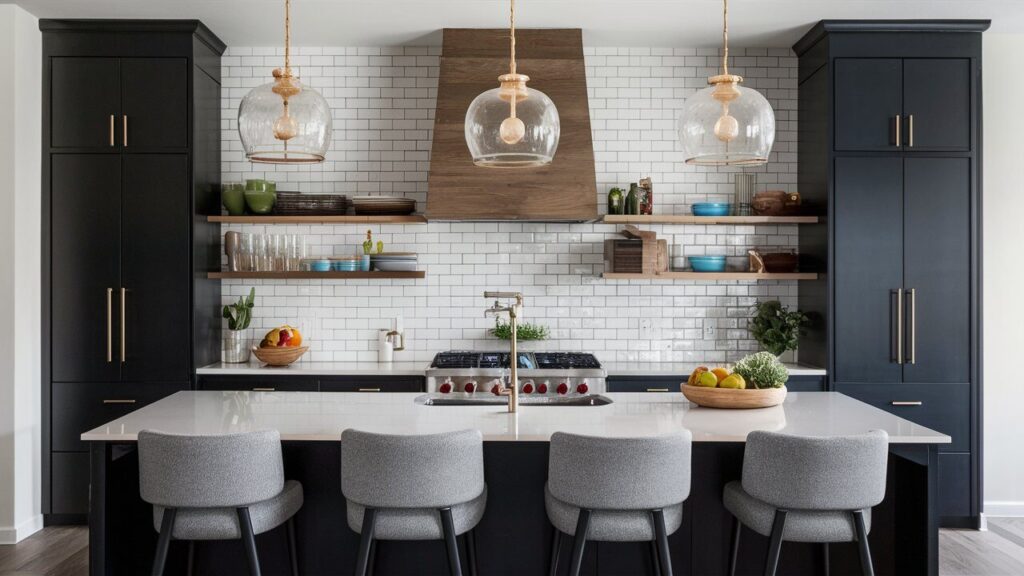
[(1003, 276), (20, 113)]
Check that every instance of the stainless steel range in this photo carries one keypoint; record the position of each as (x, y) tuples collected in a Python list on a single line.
[(540, 373)]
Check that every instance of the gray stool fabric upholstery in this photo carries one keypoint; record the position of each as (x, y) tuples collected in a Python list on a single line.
[(801, 525), (217, 488), (611, 525), (617, 490), (808, 490), (412, 477), (222, 523), (418, 523)]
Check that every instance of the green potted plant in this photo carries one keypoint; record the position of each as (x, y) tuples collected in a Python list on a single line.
[(238, 315), (776, 328), (762, 370), (524, 331)]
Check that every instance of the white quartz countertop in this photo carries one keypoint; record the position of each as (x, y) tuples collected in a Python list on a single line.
[(321, 416), (255, 368)]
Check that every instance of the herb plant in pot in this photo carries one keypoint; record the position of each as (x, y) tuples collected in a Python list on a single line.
[(238, 315), (776, 328)]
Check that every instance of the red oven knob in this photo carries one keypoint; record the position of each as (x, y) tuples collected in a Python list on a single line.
[(470, 387), (446, 387), (563, 388), (583, 388), (528, 388), (542, 388)]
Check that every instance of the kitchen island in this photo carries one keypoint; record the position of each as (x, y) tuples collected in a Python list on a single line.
[(514, 536)]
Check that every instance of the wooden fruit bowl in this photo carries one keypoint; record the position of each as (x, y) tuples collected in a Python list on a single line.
[(281, 356), (732, 398)]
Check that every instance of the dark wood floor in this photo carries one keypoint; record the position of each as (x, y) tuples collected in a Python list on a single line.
[(63, 551)]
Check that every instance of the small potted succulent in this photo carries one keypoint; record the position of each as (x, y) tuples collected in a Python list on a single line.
[(238, 315), (776, 328)]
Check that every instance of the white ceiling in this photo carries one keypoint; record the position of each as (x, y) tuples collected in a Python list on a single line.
[(689, 23)]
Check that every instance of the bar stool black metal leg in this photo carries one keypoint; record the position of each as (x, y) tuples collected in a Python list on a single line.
[(191, 557), (293, 554), (827, 561), (579, 540), (164, 541), (371, 567), (862, 543), (248, 541), (775, 543), (734, 554), (471, 551), (365, 539), (452, 545), (664, 557), (654, 558), (556, 549)]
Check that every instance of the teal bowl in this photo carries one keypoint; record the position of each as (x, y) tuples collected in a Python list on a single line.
[(260, 201), (707, 263)]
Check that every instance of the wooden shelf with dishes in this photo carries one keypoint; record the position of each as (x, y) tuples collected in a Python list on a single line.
[(688, 219), (711, 276), (273, 219), (373, 275)]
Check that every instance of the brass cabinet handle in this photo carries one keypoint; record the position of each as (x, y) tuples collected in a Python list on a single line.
[(907, 403), (913, 326), (369, 389), (657, 389), (264, 389), (110, 325), (118, 401), (899, 325), (112, 130), (910, 130), (123, 345), (124, 126), (899, 125)]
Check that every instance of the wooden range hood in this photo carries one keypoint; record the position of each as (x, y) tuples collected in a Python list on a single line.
[(565, 190)]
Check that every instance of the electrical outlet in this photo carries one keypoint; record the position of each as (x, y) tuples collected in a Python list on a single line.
[(647, 329), (710, 331)]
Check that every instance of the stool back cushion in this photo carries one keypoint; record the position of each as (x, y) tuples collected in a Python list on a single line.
[(620, 473), (826, 473), (228, 471), (428, 471)]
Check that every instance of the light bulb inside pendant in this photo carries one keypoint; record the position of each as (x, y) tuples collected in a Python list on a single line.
[(727, 128), (285, 127), (512, 130)]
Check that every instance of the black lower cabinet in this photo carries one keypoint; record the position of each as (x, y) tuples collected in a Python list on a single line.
[(258, 383), (373, 384), (671, 383), (69, 497)]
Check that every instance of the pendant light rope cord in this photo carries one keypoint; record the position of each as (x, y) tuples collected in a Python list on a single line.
[(287, 37), (725, 37), (512, 62)]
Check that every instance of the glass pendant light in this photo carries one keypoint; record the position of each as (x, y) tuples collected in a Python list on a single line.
[(512, 126), (284, 122), (725, 123)]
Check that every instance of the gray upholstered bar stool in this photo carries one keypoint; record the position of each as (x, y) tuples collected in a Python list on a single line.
[(428, 487), (803, 489), (617, 490), (217, 488)]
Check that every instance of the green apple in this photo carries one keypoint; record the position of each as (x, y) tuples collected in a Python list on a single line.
[(733, 381), (708, 380)]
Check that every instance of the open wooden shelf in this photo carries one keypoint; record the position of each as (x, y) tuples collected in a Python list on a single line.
[(407, 219), (687, 219), (712, 276), (317, 275)]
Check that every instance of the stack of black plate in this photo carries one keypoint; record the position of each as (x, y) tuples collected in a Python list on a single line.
[(296, 204)]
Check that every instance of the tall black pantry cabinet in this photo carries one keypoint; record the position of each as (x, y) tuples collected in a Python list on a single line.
[(890, 157), (131, 166)]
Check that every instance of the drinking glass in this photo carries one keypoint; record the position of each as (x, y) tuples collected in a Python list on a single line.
[(277, 252), (260, 253), (247, 252), (296, 251)]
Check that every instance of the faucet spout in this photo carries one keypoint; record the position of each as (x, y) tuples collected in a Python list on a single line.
[(513, 316)]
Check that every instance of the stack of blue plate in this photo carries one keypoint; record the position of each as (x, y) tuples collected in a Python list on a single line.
[(349, 264), (707, 263), (712, 209)]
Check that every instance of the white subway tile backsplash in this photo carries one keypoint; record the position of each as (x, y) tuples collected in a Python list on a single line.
[(382, 101)]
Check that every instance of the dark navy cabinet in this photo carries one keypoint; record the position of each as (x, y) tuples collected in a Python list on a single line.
[(281, 383), (889, 158), (130, 168)]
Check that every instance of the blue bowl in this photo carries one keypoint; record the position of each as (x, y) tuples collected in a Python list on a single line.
[(707, 263), (321, 265), (345, 265), (712, 209)]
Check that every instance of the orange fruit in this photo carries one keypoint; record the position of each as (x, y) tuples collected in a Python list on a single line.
[(296, 340), (695, 375), (722, 373)]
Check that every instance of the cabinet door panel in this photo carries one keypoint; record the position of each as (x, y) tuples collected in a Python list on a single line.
[(868, 99), (85, 234), (955, 484), (84, 94), (937, 265), (70, 487), (156, 275), (868, 267), (258, 383), (941, 407), (155, 96), (937, 92), (372, 384)]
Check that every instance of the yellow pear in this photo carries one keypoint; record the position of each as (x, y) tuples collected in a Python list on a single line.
[(733, 381)]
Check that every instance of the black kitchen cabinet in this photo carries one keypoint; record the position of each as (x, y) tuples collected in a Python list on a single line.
[(84, 102), (889, 157), (267, 383), (84, 267), (636, 383), (885, 104), (372, 383), (128, 117)]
